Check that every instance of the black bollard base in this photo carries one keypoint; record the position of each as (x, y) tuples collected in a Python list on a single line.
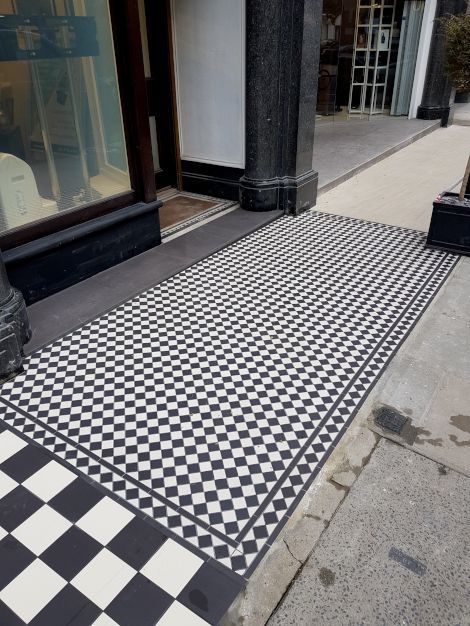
[(15, 330)]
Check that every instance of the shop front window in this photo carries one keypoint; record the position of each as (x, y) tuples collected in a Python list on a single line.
[(61, 132)]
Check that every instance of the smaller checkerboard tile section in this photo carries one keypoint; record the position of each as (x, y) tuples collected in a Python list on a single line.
[(70, 554), (210, 401)]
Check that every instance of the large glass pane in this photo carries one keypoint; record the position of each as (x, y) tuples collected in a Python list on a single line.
[(61, 133)]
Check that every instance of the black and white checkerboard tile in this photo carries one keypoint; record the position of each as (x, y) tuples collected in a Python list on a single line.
[(210, 401), (69, 554)]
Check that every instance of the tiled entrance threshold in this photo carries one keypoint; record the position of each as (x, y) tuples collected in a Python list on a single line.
[(207, 404)]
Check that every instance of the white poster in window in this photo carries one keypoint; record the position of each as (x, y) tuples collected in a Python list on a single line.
[(55, 86), (384, 38)]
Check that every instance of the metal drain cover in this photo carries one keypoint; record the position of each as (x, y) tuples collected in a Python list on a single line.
[(390, 419)]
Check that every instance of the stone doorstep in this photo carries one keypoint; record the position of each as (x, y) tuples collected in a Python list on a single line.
[(292, 547)]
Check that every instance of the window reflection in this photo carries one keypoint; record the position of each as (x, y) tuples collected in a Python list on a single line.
[(61, 133)]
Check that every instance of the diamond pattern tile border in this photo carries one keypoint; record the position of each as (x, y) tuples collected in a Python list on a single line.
[(211, 401)]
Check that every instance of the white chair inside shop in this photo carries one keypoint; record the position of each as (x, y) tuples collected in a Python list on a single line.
[(20, 201)]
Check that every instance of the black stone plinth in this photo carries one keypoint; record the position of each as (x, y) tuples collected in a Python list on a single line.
[(15, 330), (282, 48), (437, 90)]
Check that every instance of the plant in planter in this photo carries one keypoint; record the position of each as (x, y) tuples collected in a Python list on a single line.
[(450, 221)]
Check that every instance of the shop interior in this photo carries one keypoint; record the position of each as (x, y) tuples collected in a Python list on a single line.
[(61, 131), (367, 58)]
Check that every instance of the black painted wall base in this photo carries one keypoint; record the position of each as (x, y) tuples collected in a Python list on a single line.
[(289, 195), (211, 180), (47, 265)]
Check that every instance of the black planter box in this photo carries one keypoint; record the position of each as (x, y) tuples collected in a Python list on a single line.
[(450, 224)]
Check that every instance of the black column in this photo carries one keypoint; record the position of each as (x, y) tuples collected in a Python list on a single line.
[(282, 50), (435, 104)]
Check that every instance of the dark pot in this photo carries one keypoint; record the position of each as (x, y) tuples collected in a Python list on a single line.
[(450, 223), (461, 97)]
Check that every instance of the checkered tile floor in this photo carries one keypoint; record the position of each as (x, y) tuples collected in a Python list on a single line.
[(210, 401), (69, 554)]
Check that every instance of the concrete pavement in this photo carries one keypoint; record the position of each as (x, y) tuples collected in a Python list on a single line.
[(397, 551), (399, 190)]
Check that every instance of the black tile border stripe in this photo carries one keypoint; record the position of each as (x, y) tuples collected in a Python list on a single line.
[(117, 471)]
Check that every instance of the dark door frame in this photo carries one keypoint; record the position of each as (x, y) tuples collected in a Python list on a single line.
[(130, 72), (161, 94)]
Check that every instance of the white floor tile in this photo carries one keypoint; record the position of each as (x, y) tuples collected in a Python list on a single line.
[(49, 480), (172, 567), (7, 484), (3, 533), (28, 593), (10, 444), (40, 530), (105, 520), (177, 615), (103, 578)]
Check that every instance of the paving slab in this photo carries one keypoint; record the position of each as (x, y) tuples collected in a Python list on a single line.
[(400, 190), (462, 114), (396, 552), (344, 147)]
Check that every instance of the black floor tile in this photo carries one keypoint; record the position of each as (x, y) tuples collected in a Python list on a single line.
[(136, 543), (8, 618), (140, 603), (68, 608), (16, 507), (209, 593), (25, 463), (76, 499), (14, 558), (71, 552)]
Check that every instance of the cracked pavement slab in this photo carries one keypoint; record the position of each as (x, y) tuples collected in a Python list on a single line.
[(396, 552)]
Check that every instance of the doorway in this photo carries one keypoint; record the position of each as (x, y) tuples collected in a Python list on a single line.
[(157, 56), (180, 208)]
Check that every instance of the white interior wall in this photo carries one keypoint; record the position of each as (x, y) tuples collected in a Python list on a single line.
[(209, 50), (422, 58)]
